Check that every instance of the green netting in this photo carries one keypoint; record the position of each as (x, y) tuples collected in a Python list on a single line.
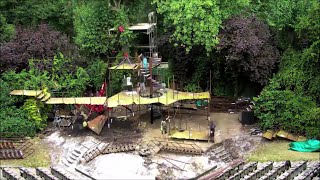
[(310, 145)]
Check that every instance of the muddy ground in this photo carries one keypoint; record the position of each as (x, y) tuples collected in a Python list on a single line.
[(229, 133)]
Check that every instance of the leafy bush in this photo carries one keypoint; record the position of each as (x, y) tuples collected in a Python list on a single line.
[(40, 43), (192, 24), (97, 72), (166, 75), (72, 85), (247, 44), (14, 123), (221, 89), (116, 81), (13, 120), (6, 30), (59, 77), (33, 109), (290, 100), (5, 99), (299, 72), (32, 116), (72, 80), (92, 21), (285, 110), (117, 77), (191, 87), (32, 79), (33, 12)]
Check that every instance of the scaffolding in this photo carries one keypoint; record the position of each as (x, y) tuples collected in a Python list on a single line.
[(156, 93)]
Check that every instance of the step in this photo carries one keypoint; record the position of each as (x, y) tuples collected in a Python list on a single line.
[(219, 149), (46, 97), (183, 150), (57, 172), (65, 162), (222, 154), (261, 171), (40, 96), (11, 173), (29, 173), (74, 154), (275, 171), (227, 158), (45, 174), (71, 161), (77, 151), (60, 173), (73, 157), (156, 149)]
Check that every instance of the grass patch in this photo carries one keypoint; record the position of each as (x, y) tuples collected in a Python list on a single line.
[(40, 157), (278, 151)]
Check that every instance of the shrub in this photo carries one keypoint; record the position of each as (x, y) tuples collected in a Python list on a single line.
[(15, 124), (97, 72), (283, 109), (34, 112), (41, 43), (5, 99), (192, 87)]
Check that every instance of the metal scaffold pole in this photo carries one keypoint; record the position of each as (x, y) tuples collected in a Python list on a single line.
[(151, 89)]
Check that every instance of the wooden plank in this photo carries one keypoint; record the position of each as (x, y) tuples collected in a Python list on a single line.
[(26, 92)]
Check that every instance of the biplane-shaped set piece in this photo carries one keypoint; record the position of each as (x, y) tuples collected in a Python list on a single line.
[(121, 99)]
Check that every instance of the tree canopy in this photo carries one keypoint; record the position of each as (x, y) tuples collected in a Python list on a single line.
[(247, 45), (192, 23)]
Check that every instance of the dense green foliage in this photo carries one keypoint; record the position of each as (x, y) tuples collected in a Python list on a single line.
[(13, 120), (192, 24), (6, 30), (291, 13), (97, 73), (116, 77), (291, 99), (299, 73), (285, 110), (251, 47), (14, 123), (92, 24), (34, 110), (59, 77), (32, 12)]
